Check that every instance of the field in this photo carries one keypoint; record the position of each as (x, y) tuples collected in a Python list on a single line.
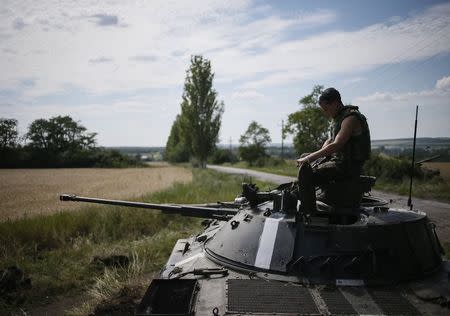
[(28, 192), (444, 168)]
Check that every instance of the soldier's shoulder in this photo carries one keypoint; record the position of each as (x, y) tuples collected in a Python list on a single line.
[(351, 110)]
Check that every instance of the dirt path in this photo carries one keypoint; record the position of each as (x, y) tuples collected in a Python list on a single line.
[(437, 211)]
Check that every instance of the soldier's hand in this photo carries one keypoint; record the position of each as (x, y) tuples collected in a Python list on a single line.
[(302, 160)]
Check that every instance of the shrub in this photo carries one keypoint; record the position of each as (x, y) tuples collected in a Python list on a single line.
[(395, 169), (221, 156)]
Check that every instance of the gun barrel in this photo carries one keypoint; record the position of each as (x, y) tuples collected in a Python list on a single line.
[(185, 210), (428, 159)]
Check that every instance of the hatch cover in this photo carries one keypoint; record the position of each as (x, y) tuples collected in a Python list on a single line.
[(391, 302), (336, 302), (258, 296)]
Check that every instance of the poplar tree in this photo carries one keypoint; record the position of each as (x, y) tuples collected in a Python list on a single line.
[(201, 112)]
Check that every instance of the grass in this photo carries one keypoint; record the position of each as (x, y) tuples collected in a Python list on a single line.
[(435, 189), (56, 251), (288, 169)]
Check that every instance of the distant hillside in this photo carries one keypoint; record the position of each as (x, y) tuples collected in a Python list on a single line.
[(425, 147), (136, 149), (406, 143), (142, 153)]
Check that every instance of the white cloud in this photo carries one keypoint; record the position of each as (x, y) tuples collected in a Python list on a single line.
[(350, 81), (247, 95), (390, 114), (437, 96), (73, 36), (239, 45), (100, 60), (443, 83)]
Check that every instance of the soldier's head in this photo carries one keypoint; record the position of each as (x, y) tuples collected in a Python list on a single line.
[(330, 102)]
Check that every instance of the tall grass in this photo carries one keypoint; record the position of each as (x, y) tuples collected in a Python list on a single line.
[(57, 250)]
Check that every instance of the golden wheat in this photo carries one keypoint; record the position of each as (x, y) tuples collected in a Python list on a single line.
[(444, 168), (27, 192)]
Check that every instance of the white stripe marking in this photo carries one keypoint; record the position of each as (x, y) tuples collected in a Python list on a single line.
[(199, 255), (267, 243)]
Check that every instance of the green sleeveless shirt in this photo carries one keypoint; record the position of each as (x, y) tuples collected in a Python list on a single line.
[(357, 149)]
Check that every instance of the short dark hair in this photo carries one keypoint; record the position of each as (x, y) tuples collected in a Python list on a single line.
[(330, 95)]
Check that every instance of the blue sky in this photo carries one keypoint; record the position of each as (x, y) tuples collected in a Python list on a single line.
[(119, 66)]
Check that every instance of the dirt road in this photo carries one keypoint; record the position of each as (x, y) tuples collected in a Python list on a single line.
[(438, 212)]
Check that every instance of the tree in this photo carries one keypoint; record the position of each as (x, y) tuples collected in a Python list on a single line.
[(8, 133), (309, 126), (201, 113), (253, 143), (176, 148), (59, 134)]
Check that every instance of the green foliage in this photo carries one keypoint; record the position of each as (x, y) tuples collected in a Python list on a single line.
[(393, 169), (176, 148), (57, 142), (108, 158), (221, 156), (59, 134), (201, 113), (253, 143), (8, 134), (308, 126)]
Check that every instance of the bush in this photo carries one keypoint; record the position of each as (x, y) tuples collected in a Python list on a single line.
[(221, 156), (274, 161), (253, 154), (395, 169), (80, 158)]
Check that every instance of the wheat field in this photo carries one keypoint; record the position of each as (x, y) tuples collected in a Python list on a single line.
[(28, 192), (444, 168)]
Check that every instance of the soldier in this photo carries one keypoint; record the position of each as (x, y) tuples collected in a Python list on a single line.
[(348, 149)]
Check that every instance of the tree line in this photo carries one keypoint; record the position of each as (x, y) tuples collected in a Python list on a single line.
[(58, 141)]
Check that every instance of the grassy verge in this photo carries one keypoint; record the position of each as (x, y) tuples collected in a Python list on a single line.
[(287, 169), (58, 251), (437, 188)]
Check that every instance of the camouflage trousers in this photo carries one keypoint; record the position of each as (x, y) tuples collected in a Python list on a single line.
[(309, 178)]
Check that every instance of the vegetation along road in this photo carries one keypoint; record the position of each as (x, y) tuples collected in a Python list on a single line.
[(437, 211)]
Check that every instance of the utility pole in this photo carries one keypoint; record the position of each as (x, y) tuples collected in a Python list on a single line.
[(231, 150)]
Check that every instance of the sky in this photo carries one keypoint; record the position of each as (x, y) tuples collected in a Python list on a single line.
[(118, 67)]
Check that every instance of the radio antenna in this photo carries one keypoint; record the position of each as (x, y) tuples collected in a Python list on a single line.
[(413, 161)]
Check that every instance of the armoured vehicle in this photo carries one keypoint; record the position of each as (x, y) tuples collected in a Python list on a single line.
[(261, 255)]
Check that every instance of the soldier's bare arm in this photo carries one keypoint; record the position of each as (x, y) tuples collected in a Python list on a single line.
[(349, 125), (329, 140)]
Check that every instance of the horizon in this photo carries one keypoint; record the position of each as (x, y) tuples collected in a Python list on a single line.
[(286, 144), (119, 68)]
